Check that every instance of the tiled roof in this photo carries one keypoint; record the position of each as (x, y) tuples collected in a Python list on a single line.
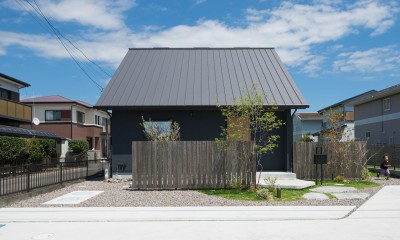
[(55, 99), (14, 131), (198, 77)]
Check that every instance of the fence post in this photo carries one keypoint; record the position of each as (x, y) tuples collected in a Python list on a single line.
[(28, 179), (87, 168), (61, 173)]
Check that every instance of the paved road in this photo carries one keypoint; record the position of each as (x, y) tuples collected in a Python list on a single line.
[(377, 219)]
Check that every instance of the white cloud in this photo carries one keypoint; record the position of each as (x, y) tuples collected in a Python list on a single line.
[(101, 14), (292, 28), (198, 2), (372, 60), (313, 66)]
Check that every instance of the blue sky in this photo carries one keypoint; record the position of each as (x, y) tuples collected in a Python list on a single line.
[(333, 49)]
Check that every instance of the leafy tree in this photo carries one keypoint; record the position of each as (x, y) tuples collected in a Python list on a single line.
[(248, 119), (78, 148), (154, 131), (34, 151), (306, 138), (11, 149)]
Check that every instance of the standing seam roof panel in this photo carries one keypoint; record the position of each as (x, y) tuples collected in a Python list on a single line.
[(130, 66), (109, 93), (198, 77), (294, 91), (264, 81), (280, 76)]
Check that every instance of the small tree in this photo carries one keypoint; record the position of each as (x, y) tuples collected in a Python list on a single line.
[(250, 120), (306, 138), (154, 131), (78, 148)]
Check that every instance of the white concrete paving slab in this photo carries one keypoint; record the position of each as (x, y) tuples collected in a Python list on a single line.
[(383, 205), (344, 196), (316, 196), (333, 189), (74, 197), (289, 183), (250, 213)]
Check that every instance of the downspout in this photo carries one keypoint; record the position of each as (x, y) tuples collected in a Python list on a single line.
[(109, 145), (291, 152)]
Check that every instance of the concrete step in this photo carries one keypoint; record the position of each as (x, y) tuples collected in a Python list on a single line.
[(289, 183), (278, 175)]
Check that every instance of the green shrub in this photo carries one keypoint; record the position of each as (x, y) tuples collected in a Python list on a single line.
[(34, 151), (78, 147), (49, 147), (365, 174), (12, 149), (271, 182), (339, 179), (237, 183), (263, 193)]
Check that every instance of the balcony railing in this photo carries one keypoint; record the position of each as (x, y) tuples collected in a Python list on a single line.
[(14, 110)]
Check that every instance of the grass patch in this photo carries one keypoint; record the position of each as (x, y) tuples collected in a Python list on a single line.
[(287, 194), (351, 183)]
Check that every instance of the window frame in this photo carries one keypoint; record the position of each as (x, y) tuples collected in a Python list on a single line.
[(368, 134), (386, 104), (52, 120), (83, 117)]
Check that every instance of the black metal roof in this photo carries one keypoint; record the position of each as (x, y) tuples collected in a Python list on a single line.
[(24, 84), (15, 131), (199, 77)]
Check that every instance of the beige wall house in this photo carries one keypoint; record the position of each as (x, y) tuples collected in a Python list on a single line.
[(71, 119)]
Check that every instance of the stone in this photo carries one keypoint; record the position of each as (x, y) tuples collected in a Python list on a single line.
[(316, 196), (333, 189), (343, 196)]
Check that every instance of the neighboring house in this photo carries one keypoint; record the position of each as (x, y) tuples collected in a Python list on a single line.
[(13, 113), (306, 124), (71, 119), (347, 108), (186, 85), (377, 116)]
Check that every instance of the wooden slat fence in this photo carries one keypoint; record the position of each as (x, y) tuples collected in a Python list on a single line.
[(191, 164), (354, 158)]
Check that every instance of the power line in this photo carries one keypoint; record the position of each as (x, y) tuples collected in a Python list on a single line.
[(60, 37)]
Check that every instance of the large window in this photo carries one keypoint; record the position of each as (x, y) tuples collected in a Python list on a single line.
[(58, 115), (5, 94), (386, 104), (104, 121), (80, 117), (97, 119), (53, 115)]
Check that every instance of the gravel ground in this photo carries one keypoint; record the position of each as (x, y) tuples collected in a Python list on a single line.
[(115, 196)]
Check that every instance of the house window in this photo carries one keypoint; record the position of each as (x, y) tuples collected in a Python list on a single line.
[(5, 94), (368, 134), (386, 104), (391, 140), (97, 119), (349, 116), (53, 115), (80, 117), (104, 121)]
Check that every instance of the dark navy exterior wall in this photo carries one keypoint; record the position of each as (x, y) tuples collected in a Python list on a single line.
[(196, 125)]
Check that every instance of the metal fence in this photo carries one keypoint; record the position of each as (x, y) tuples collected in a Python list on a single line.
[(376, 152), (192, 164), (24, 178)]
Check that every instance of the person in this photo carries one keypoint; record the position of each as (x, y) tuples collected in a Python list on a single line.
[(385, 167)]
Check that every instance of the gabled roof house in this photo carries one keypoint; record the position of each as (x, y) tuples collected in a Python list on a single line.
[(186, 85)]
